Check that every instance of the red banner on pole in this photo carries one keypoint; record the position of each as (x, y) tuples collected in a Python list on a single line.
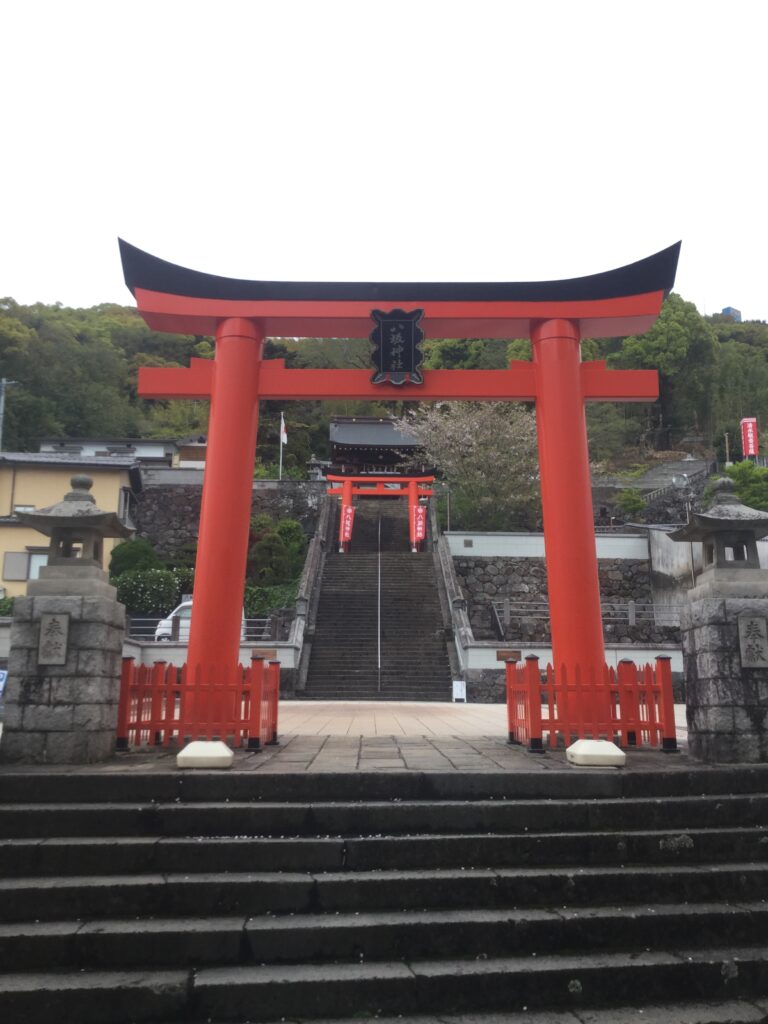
[(419, 522), (347, 519), (749, 436)]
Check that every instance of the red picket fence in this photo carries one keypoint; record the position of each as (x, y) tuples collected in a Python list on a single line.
[(632, 706), (161, 704)]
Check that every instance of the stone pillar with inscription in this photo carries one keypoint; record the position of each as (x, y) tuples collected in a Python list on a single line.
[(66, 642), (725, 634)]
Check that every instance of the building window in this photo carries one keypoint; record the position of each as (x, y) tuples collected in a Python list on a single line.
[(20, 566)]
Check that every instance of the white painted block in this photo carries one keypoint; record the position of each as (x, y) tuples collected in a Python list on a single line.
[(205, 754), (601, 753)]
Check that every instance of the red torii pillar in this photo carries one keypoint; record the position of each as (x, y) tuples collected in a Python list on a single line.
[(566, 498), (225, 511), (555, 315)]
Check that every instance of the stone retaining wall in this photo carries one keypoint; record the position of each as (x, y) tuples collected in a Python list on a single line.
[(485, 580), (168, 515)]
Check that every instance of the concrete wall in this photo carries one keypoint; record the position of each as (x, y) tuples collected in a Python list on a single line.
[(531, 545)]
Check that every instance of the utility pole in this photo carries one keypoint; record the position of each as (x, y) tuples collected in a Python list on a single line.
[(4, 382)]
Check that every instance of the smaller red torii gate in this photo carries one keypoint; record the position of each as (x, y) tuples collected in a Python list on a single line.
[(555, 315), (411, 487)]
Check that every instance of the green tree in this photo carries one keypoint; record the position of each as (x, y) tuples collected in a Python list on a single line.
[(751, 483), (681, 345), (133, 554)]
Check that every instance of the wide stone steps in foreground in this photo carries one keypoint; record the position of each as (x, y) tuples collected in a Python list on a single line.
[(248, 897)]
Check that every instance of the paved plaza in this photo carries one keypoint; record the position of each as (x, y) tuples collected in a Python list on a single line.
[(368, 736)]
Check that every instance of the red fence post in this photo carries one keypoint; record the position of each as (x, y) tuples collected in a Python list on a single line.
[(127, 674), (159, 673), (533, 701), (254, 710), (512, 723), (274, 695), (629, 705), (667, 702)]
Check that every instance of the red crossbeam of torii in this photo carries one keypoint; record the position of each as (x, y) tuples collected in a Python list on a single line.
[(556, 315)]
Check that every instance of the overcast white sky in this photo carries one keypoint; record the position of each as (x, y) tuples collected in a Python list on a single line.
[(387, 140)]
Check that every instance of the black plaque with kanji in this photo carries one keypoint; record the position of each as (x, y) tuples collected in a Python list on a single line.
[(396, 354)]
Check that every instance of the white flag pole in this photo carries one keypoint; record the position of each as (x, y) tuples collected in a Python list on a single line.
[(283, 440)]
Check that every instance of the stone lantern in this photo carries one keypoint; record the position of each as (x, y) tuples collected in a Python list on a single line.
[(66, 641), (724, 626)]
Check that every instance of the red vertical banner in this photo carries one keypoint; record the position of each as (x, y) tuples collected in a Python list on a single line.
[(749, 436), (419, 513), (347, 521)]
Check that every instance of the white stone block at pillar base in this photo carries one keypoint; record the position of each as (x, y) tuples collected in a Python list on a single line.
[(596, 753), (205, 754)]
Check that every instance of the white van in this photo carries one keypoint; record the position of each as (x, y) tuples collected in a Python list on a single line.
[(165, 627)]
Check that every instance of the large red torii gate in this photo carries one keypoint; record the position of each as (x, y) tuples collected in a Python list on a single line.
[(555, 315)]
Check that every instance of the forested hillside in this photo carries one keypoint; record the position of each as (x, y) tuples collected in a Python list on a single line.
[(75, 373)]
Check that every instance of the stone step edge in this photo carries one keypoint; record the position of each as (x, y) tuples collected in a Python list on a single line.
[(357, 804), (736, 1011), (545, 981), (330, 921), (637, 781), (375, 876)]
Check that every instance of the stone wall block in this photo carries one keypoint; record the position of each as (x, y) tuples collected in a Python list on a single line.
[(18, 663), (22, 609), (486, 686), (98, 745), (704, 612), (25, 634), (751, 719), (688, 641), (717, 664), (99, 663), (65, 748), (96, 636), (95, 717), (738, 692), (85, 690), (705, 693), (711, 719), (111, 613), (47, 718), (12, 714), (72, 606), (32, 689), (715, 637), (23, 747)]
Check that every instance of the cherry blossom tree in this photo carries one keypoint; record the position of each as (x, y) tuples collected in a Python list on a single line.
[(486, 453)]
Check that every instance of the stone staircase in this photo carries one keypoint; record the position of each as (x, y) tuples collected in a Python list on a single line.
[(140, 896), (344, 660)]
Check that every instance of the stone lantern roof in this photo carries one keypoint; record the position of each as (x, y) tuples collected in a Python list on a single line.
[(76, 525), (728, 531), (726, 513)]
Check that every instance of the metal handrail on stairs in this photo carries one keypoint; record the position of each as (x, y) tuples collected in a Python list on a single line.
[(378, 610)]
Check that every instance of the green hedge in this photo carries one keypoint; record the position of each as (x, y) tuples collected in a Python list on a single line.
[(153, 591), (261, 601)]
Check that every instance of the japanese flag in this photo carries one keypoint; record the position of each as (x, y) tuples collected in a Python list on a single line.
[(283, 433)]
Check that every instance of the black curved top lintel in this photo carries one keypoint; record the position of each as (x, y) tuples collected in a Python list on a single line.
[(652, 274)]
